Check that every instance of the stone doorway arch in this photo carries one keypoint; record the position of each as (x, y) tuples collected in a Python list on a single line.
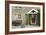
[(31, 16)]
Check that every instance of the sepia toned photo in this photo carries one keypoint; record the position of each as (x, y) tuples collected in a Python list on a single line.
[(23, 17)]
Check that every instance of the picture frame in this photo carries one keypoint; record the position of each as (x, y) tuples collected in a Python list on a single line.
[(15, 7)]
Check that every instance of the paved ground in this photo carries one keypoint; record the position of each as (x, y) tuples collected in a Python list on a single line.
[(24, 26)]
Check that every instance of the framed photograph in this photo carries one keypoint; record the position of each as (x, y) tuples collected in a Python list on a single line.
[(24, 17)]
